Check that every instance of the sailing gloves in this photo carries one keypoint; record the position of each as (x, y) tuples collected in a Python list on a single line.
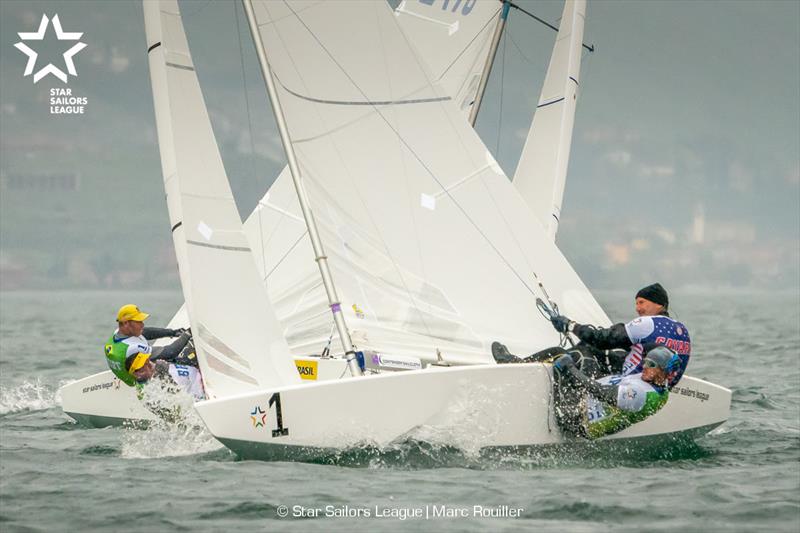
[(562, 323)]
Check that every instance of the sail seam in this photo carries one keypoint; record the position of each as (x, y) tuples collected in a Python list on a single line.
[(220, 246), (550, 103), (182, 67), (368, 102)]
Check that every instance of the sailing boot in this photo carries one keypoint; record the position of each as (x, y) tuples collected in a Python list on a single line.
[(502, 355)]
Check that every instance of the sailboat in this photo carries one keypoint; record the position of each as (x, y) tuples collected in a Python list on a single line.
[(459, 52), (393, 225)]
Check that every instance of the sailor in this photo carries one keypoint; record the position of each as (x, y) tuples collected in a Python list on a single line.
[(143, 369), (591, 408), (131, 338), (620, 348)]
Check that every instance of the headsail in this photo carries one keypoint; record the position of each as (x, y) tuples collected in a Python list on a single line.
[(430, 245), (542, 169), (239, 342)]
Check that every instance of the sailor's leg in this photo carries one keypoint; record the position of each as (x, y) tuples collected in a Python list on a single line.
[(568, 401), (587, 359), (502, 355), (545, 356), (615, 359)]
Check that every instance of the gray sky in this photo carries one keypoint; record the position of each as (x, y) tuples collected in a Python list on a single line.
[(684, 166)]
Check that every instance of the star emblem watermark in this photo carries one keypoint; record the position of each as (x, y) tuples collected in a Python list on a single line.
[(61, 35)]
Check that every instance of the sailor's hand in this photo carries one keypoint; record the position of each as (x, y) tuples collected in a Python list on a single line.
[(563, 362), (561, 323)]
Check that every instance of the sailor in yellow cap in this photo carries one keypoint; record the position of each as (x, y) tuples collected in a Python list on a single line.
[(131, 339)]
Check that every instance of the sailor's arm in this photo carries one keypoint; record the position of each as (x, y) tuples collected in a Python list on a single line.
[(603, 338), (171, 351), (152, 334)]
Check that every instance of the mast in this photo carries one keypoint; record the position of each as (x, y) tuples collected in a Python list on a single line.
[(487, 68), (308, 216)]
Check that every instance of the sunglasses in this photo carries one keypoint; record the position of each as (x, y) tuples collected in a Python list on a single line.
[(649, 363)]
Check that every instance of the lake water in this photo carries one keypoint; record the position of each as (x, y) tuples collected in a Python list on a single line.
[(58, 476)]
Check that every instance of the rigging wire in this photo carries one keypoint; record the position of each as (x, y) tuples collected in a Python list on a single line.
[(521, 53), (502, 90), (515, 6), (196, 11), (469, 44)]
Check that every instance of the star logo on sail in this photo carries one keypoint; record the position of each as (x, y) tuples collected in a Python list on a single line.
[(258, 417), (38, 35)]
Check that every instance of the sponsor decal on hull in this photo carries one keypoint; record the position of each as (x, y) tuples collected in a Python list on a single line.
[(306, 368)]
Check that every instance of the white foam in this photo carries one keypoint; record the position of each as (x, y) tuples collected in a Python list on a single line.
[(28, 396), (185, 434)]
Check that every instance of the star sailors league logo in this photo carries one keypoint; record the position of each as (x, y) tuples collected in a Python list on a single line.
[(39, 36)]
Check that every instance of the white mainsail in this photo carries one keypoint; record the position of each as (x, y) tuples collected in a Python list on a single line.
[(453, 40), (218, 275), (430, 245), (542, 169)]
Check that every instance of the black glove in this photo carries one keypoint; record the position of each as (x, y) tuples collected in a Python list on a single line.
[(180, 331), (561, 323), (563, 362)]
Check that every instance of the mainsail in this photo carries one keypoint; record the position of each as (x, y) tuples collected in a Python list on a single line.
[(431, 247), (238, 339), (542, 169), (453, 40)]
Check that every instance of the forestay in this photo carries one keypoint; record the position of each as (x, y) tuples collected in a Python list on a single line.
[(542, 169), (431, 247), (238, 339)]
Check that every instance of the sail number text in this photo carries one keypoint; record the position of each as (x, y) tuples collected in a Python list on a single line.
[(466, 5)]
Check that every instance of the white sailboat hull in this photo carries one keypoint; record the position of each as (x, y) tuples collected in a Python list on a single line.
[(102, 400), (480, 407)]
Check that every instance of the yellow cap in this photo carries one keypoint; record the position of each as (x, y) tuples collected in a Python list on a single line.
[(131, 312), (136, 361)]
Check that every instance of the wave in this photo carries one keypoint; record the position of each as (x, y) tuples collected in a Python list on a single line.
[(29, 396)]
